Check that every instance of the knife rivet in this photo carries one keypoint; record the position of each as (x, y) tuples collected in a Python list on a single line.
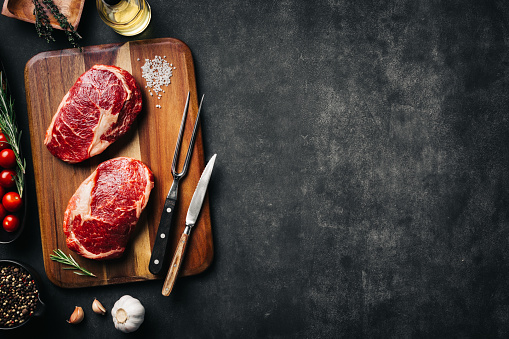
[(156, 262), (168, 209), (162, 235)]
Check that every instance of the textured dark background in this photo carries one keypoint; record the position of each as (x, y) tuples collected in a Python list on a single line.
[(362, 181)]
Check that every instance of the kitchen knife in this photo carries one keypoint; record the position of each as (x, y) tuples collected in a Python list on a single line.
[(192, 215)]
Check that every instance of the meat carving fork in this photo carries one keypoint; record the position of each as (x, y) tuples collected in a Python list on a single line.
[(158, 257)]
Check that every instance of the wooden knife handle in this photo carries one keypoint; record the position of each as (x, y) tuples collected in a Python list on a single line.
[(175, 264)]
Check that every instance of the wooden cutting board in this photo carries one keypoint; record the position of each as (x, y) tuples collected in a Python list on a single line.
[(152, 138)]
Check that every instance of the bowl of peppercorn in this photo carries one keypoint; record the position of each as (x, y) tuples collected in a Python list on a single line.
[(19, 294)]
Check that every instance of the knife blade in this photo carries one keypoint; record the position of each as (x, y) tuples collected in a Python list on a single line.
[(192, 216)]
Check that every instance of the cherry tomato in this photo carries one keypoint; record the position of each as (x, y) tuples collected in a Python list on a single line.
[(12, 201), (11, 223), (7, 178), (3, 142), (7, 158)]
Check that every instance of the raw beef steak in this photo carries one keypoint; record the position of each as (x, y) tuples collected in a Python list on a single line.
[(98, 109), (104, 211)]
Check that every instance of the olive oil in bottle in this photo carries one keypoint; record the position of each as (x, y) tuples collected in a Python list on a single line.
[(126, 17)]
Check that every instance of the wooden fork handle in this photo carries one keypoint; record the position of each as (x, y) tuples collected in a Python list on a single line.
[(175, 264)]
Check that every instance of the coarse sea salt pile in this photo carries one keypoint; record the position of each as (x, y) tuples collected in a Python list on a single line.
[(157, 72)]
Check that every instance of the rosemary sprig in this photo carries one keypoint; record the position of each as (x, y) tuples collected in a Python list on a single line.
[(61, 257), (10, 130), (43, 26)]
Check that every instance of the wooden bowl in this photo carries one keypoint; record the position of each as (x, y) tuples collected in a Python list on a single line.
[(24, 10)]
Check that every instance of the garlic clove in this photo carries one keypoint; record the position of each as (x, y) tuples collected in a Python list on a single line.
[(98, 308), (76, 316)]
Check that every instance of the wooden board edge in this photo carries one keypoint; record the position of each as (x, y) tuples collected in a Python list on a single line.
[(36, 165), (197, 270)]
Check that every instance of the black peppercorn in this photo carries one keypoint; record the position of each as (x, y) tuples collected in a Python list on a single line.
[(18, 296)]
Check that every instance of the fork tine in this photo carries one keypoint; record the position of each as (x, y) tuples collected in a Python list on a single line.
[(193, 137), (179, 138)]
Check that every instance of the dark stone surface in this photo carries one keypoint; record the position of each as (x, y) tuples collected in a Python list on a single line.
[(362, 181)]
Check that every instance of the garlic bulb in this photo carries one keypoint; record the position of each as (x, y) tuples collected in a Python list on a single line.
[(128, 314)]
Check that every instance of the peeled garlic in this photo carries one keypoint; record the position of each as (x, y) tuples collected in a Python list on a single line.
[(76, 316), (98, 308)]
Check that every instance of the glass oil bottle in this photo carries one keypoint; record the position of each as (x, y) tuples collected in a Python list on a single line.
[(126, 17)]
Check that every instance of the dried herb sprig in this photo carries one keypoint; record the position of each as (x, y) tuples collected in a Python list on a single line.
[(71, 33), (9, 128), (61, 257), (42, 23), (43, 26)]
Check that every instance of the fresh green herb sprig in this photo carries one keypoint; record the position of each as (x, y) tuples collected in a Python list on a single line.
[(9, 128), (43, 25), (61, 257)]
